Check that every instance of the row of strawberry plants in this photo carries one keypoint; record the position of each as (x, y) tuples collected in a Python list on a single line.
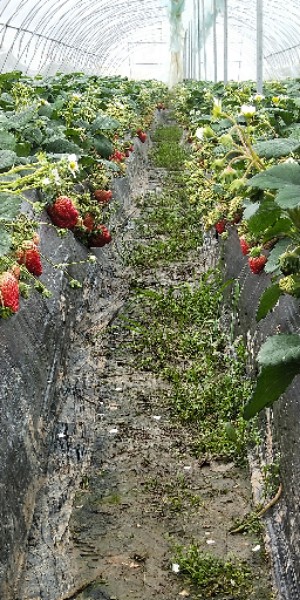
[(66, 137), (244, 171)]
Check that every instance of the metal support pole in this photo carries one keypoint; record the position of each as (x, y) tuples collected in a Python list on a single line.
[(185, 57), (191, 51), (199, 40), (225, 41), (259, 46), (204, 39), (215, 50), (195, 42)]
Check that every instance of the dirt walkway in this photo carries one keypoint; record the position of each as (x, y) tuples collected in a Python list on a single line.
[(124, 488)]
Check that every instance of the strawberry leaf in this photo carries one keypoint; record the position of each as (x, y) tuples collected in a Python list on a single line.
[(274, 256), (288, 197), (276, 148), (276, 177), (279, 359), (265, 216), (9, 209), (268, 300)]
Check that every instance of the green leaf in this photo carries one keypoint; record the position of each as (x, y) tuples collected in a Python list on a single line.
[(23, 149), (288, 196), (105, 123), (276, 148), (250, 210), (61, 145), (293, 131), (273, 259), (276, 177), (7, 159), (271, 383), (110, 164), (103, 145), (268, 300), (20, 119), (33, 135), (266, 216), (6, 100), (279, 358), (282, 228), (7, 140), (9, 209), (5, 241)]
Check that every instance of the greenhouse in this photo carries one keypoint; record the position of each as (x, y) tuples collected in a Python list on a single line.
[(149, 299)]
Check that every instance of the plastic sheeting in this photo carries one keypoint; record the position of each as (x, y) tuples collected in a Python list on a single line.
[(94, 36), (206, 39), (132, 37)]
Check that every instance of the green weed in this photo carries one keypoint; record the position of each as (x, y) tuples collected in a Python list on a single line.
[(176, 333), (167, 133), (168, 153), (215, 577)]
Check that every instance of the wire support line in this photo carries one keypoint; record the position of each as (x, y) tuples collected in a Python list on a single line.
[(49, 39)]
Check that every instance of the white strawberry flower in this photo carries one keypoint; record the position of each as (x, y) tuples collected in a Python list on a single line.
[(199, 133), (258, 97), (248, 110), (73, 164)]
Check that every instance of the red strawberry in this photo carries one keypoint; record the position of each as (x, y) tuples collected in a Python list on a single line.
[(117, 156), (127, 152), (220, 226), (244, 246), (89, 222), (142, 136), (103, 196), (257, 263), (100, 237), (63, 213), (30, 257), (9, 291)]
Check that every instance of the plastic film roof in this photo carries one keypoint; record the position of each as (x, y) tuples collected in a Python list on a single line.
[(132, 37), (95, 36), (281, 38)]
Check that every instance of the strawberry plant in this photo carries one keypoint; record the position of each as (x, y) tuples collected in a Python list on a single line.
[(244, 170)]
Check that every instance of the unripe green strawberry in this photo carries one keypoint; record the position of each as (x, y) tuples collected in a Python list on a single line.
[(289, 263), (290, 285)]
